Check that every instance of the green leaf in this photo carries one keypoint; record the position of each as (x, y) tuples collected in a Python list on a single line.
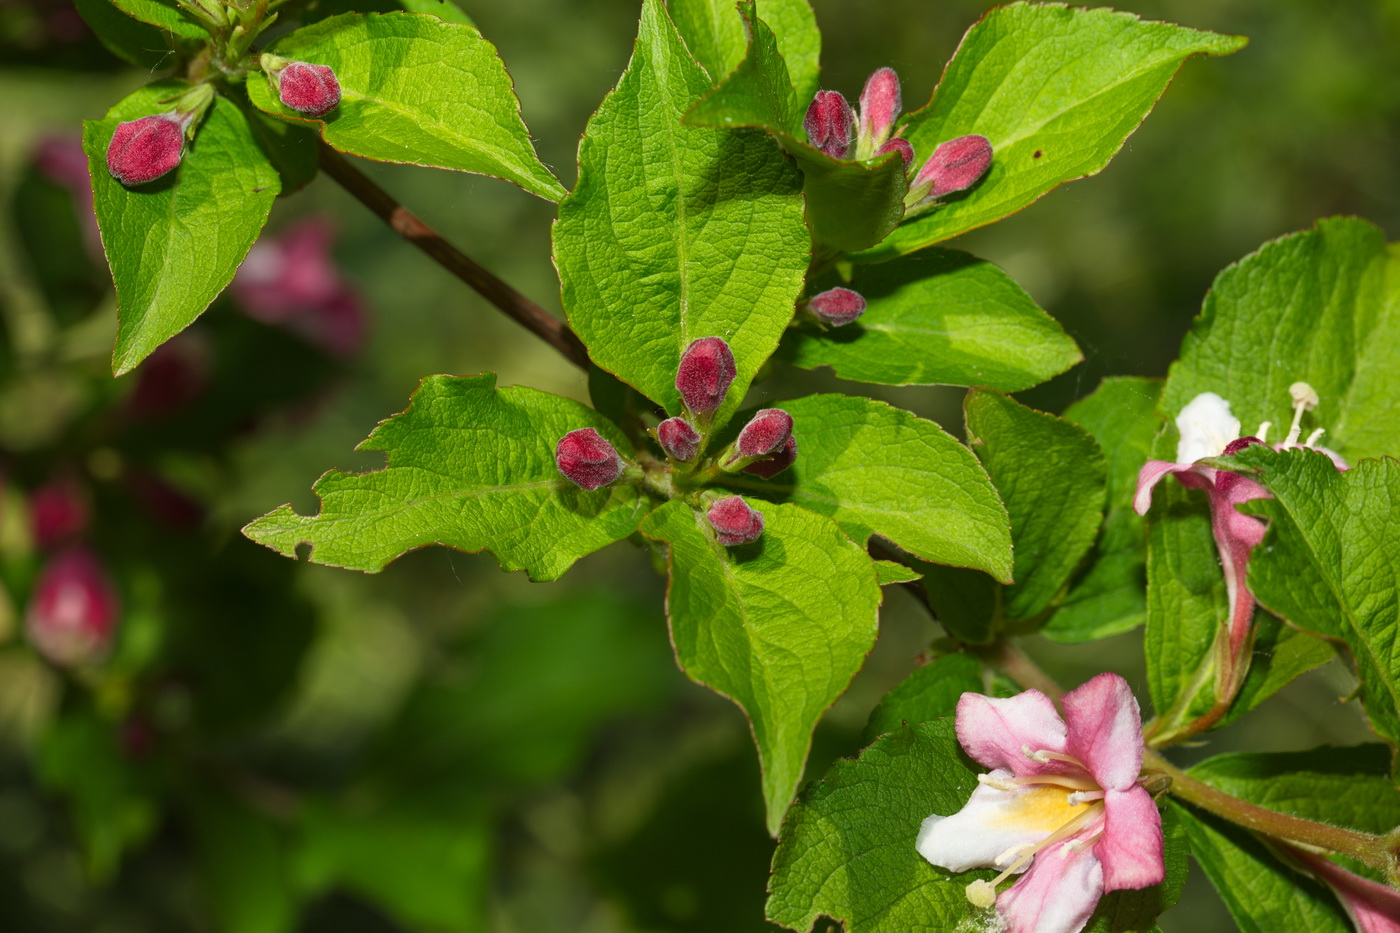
[(879, 470), (470, 467), (445, 10), (889, 571), (242, 864), (1110, 596), (1328, 562), (132, 40), (1056, 90), (175, 243), (931, 692), (850, 205), (1322, 307), (779, 626), (1050, 473), (422, 855), (674, 233), (415, 90), (167, 15), (847, 848), (1262, 895), (716, 34), (290, 147), (944, 317)]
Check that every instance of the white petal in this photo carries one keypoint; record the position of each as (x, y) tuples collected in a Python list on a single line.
[(1206, 426), (990, 823)]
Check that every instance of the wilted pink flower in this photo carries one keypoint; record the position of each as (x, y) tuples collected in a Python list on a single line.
[(1062, 805), (734, 521), (73, 611), (704, 375), (292, 280), (587, 459), (830, 124), (312, 89), (837, 307), (58, 512)]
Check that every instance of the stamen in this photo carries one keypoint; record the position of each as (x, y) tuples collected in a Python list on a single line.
[(1089, 814), (1314, 437), (1263, 432), (1045, 756), (982, 894), (1012, 854), (1304, 399), (1082, 797), (1068, 781), (1000, 784)]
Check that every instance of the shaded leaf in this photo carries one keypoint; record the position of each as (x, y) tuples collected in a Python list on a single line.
[(931, 692)]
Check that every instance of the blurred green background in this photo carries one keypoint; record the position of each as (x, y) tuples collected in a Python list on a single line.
[(442, 747)]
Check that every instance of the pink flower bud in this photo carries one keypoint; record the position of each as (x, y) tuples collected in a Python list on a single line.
[(58, 512), (777, 463), (312, 89), (837, 306), (678, 439), (765, 433), (143, 150), (705, 373), (734, 521), (880, 106), (830, 124), (902, 146), (955, 165), (73, 611), (587, 459)]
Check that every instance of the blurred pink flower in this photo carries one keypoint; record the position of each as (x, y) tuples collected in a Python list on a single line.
[(73, 611), (60, 159), (58, 512)]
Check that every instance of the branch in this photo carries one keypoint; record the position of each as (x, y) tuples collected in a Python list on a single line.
[(522, 310)]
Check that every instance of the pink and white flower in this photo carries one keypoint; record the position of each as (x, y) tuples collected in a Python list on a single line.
[(1062, 806), (1372, 907)]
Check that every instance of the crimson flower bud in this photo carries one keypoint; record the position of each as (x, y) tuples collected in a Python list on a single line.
[(902, 146), (765, 433), (704, 375), (678, 439), (587, 459), (58, 511), (73, 612), (954, 166), (312, 89), (780, 461), (830, 124), (734, 521), (143, 150), (837, 306), (880, 107)]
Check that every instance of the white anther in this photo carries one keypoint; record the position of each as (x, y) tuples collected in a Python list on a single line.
[(1314, 437), (982, 894), (1304, 395), (1263, 432)]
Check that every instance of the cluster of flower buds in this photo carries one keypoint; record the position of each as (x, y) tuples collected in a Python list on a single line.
[(310, 89), (836, 307), (836, 129), (151, 147)]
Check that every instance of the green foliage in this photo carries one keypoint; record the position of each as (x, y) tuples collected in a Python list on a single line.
[(416, 90), (1056, 90), (166, 14), (850, 205), (175, 243), (1109, 596), (780, 626), (889, 572), (847, 849), (879, 470), (243, 866), (718, 36), (674, 233), (132, 39), (943, 317), (931, 692), (1318, 307), (1328, 563), (470, 467)]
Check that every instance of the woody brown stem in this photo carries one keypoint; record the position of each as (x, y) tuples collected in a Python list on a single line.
[(520, 309)]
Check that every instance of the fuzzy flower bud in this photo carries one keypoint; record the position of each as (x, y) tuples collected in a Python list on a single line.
[(587, 459), (146, 149), (312, 89), (765, 433), (780, 461), (73, 611), (678, 439), (837, 306), (830, 124), (902, 146), (954, 166), (880, 107), (705, 373), (734, 521)]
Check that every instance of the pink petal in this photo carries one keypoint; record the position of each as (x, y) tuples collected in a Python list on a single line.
[(996, 732), (1057, 895), (1374, 908), (982, 830), (1152, 472), (1105, 730), (1130, 848)]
